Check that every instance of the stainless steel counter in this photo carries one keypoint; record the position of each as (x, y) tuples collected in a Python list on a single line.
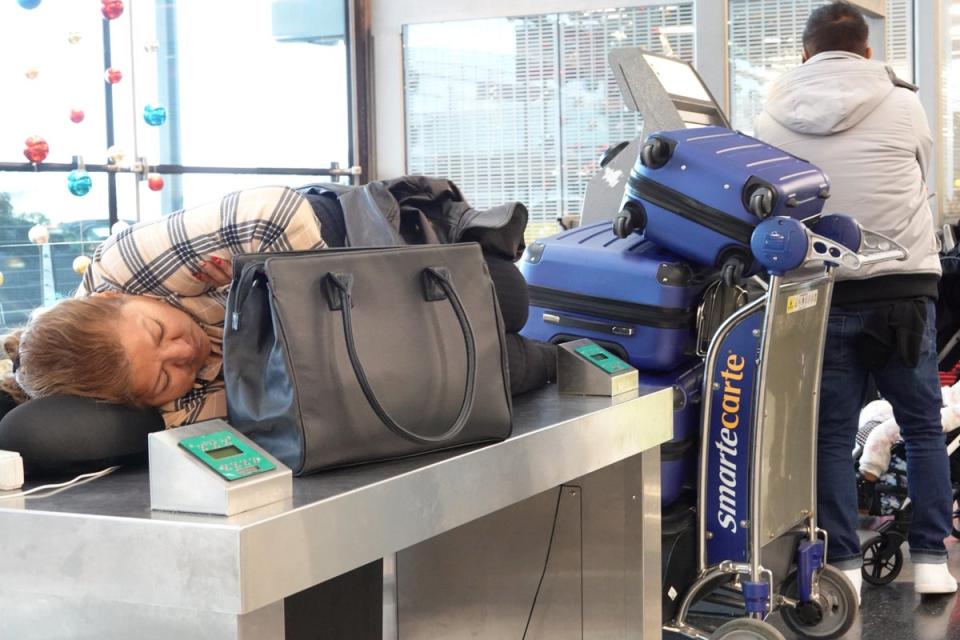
[(96, 552)]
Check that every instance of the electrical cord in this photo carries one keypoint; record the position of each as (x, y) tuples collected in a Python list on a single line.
[(546, 560), (81, 479)]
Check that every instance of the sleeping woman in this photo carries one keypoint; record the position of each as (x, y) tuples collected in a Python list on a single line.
[(146, 325)]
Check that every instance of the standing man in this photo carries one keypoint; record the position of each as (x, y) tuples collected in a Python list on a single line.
[(867, 130)]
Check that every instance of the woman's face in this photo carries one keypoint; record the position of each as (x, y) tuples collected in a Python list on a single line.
[(165, 347)]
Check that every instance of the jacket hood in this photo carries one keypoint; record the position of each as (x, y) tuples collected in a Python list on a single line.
[(831, 92)]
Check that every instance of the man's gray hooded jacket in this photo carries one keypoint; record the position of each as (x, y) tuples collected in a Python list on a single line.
[(846, 115)]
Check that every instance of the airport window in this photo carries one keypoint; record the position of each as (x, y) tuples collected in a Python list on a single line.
[(234, 98), (523, 108), (951, 121), (764, 41)]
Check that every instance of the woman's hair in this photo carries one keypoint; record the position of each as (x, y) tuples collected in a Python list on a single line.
[(71, 348)]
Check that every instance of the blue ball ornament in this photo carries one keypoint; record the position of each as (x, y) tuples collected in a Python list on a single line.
[(79, 182), (154, 115), (29, 4)]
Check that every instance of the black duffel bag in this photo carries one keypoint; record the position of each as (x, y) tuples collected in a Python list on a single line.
[(340, 357)]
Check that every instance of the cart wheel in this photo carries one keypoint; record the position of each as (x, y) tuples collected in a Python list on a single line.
[(746, 629), (831, 615), (881, 565)]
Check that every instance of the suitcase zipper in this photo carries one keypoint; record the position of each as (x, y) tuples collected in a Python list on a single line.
[(612, 310), (691, 209)]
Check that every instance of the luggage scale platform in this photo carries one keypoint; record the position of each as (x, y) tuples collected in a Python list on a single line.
[(561, 537)]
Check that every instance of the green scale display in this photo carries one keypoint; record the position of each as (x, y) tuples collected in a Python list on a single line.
[(228, 456), (586, 368), (602, 358)]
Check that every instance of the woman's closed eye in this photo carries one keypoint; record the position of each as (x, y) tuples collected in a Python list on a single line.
[(163, 381)]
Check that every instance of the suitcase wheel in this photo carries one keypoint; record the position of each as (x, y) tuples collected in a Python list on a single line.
[(655, 153), (732, 267), (612, 152), (761, 202), (632, 218)]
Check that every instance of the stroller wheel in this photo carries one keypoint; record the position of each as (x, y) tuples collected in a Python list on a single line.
[(882, 561), (829, 616), (746, 629), (956, 518)]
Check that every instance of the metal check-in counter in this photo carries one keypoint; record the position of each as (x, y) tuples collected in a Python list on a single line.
[(553, 533)]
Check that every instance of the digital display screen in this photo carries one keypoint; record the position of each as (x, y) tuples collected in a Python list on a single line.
[(678, 78), (223, 452), (599, 356)]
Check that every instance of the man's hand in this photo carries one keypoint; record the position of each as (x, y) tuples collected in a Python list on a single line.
[(216, 271)]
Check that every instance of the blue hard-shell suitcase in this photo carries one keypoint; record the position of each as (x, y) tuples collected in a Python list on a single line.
[(678, 469), (628, 295), (687, 383), (700, 192)]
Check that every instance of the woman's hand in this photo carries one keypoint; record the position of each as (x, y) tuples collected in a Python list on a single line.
[(215, 271)]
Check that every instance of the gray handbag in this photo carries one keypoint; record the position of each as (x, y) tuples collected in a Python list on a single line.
[(345, 356)]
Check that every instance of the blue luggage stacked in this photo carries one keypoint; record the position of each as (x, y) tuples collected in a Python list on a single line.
[(628, 295), (700, 192), (678, 457), (639, 302)]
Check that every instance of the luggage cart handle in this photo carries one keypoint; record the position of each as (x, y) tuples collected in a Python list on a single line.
[(781, 244), (871, 246), (876, 247)]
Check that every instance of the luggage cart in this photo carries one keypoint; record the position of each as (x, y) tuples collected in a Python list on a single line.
[(757, 526)]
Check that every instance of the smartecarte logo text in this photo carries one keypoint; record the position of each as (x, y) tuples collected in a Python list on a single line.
[(727, 444)]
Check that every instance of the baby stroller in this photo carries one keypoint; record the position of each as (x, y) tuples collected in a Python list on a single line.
[(886, 511), (883, 500)]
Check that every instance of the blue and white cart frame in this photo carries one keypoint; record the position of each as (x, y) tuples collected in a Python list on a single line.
[(757, 530)]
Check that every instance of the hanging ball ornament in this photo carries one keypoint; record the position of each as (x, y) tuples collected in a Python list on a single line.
[(151, 46), (154, 115), (77, 115), (74, 37), (79, 182), (80, 264), (155, 182), (38, 234), (115, 154), (36, 149), (113, 76), (111, 9), (29, 4), (31, 73)]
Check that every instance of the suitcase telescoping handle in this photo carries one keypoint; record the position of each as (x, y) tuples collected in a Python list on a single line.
[(437, 285)]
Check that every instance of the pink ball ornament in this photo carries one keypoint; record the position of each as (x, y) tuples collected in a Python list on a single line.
[(36, 149), (77, 115), (113, 76), (155, 182), (111, 9)]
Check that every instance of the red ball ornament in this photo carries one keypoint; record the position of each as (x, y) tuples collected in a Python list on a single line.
[(111, 9), (77, 115), (36, 150), (155, 182), (113, 76)]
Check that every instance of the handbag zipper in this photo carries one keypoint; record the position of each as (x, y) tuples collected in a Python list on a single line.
[(235, 316)]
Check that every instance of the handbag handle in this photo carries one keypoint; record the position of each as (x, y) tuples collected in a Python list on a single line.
[(338, 292)]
